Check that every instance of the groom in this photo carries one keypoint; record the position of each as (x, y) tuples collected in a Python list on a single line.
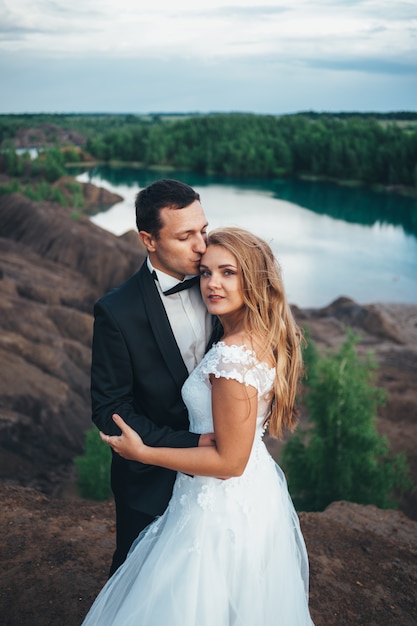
[(149, 333)]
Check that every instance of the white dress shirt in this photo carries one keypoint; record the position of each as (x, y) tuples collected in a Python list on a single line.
[(190, 321)]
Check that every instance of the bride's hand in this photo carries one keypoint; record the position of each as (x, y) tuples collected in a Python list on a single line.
[(129, 444)]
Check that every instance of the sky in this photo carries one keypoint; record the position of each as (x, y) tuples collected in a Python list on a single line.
[(183, 56)]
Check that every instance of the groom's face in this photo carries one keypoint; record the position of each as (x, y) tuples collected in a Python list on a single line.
[(181, 241)]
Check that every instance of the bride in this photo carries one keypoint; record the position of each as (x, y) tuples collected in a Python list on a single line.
[(228, 551)]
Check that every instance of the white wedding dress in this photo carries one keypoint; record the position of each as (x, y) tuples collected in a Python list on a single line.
[(225, 552)]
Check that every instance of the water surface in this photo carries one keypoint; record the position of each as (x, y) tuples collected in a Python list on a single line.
[(329, 240)]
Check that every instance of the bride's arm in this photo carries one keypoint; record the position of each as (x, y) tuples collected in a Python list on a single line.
[(234, 408)]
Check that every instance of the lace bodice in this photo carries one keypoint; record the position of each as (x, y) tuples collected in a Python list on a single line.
[(232, 362)]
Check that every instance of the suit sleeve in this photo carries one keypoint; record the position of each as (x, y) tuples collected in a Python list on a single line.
[(112, 388)]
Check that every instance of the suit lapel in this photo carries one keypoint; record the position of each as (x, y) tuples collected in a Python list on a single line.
[(216, 333), (161, 327)]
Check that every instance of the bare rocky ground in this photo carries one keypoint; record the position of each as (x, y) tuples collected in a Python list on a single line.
[(56, 548), (55, 556)]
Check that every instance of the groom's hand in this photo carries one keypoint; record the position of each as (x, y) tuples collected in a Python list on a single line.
[(207, 439)]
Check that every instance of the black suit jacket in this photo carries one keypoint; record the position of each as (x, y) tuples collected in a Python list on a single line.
[(138, 371)]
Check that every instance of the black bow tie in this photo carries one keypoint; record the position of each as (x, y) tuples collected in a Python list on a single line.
[(185, 284)]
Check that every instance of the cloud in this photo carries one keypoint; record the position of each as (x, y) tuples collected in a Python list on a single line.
[(136, 55), (209, 30), (142, 86), (368, 65), (30, 22)]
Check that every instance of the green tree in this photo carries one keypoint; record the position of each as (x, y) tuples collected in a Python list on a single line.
[(342, 457), (76, 192), (11, 187), (56, 195), (13, 163), (53, 164), (93, 468)]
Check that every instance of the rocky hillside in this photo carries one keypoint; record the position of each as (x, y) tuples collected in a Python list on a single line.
[(47, 134), (56, 548), (52, 270)]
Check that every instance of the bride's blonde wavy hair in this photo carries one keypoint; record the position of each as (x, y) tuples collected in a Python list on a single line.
[(268, 315)]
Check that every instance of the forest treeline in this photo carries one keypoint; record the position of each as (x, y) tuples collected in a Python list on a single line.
[(266, 146), (371, 148)]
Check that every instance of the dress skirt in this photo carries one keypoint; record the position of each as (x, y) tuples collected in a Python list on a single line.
[(224, 553)]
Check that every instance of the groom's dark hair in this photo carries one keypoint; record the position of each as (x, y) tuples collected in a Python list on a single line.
[(158, 195)]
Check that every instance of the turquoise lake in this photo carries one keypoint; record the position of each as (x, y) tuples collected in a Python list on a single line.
[(330, 240)]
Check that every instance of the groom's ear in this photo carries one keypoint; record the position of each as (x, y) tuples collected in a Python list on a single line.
[(148, 240)]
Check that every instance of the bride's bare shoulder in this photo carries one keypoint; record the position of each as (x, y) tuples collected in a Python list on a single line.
[(238, 339)]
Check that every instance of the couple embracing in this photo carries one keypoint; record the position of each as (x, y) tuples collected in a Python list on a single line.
[(194, 357)]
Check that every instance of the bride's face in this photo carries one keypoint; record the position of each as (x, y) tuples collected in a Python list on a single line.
[(220, 282)]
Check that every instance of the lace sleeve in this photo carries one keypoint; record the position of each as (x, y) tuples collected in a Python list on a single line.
[(239, 363)]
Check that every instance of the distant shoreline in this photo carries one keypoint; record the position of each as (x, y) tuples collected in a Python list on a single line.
[(401, 190)]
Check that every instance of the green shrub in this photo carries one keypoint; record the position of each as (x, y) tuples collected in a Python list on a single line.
[(56, 195), (310, 356), (13, 186), (342, 457), (93, 468), (71, 155), (76, 192), (42, 191), (33, 193)]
